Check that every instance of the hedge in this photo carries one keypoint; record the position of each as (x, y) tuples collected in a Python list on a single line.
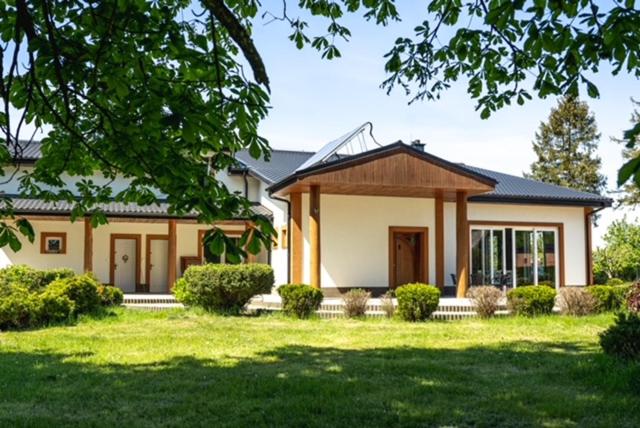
[(531, 300), (300, 300), (416, 302)]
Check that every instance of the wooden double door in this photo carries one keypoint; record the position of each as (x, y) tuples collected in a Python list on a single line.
[(408, 255)]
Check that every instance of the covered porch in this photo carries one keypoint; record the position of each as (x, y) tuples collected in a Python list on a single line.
[(381, 219)]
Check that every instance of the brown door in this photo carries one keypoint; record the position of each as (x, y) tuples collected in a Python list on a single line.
[(408, 248)]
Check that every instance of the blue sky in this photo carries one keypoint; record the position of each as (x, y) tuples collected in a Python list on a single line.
[(314, 101)]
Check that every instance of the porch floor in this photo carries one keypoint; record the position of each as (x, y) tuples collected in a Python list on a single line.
[(331, 307)]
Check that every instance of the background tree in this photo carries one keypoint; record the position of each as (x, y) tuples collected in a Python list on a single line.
[(566, 148), (630, 192), (620, 257), (155, 90)]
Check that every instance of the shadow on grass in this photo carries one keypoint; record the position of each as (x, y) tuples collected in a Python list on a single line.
[(516, 384)]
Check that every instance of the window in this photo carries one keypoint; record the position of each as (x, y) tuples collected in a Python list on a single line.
[(488, 257), (53, 243), (207, 256), (514, 256)]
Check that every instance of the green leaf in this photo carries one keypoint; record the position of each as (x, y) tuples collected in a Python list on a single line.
[(629, 169)]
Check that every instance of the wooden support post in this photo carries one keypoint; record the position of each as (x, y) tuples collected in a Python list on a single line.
[(314, 234), (588, 218), (462, 237), (172, 255), (296, 249), (440, 241), (88, 245)]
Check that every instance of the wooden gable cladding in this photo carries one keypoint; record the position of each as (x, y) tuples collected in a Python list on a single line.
[(399, 174)]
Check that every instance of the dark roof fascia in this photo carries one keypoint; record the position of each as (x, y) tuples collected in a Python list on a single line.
[(375, 154), (538, 200)]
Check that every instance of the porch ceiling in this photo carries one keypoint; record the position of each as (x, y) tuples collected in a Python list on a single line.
[(397, 171)]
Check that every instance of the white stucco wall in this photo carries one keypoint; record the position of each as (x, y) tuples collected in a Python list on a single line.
[(354, 236)]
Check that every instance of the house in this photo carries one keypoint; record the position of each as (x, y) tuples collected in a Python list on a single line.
[(347, 216)]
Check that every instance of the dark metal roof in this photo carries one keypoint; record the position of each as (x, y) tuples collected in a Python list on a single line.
[(29, 151), (26, 206), (281, 165), (398, 147), (511, 188)]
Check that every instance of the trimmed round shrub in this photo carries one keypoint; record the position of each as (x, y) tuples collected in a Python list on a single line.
[(485, 300), (54, 307), (20, 309), (110, 295), (355, 302), (531, 300), (226, 288), (576, 301), (615, 281), (416, 302), (622, 339), (633, 298), (300, 300), (81, 289), (386, 304), (609, 297)]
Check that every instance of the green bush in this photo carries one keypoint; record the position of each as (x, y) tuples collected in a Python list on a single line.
[(609, 298), (20, 309), (622, 339), (615, 281), (531, 300), (33, 279), (110, 295), (54, 307), (300, 300), (416, 302), (227, 288), (355, 302), (81, 289)]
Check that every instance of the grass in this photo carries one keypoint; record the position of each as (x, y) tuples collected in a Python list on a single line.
[(188, 369)]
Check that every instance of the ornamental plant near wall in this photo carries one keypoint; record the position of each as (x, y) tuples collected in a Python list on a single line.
[(300, 300), (417, 302), (633, 299), (223, 288), (355, 302), (485, 300), (531, 300)]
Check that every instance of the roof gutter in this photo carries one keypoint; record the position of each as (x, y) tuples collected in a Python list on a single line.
[(286, 201)]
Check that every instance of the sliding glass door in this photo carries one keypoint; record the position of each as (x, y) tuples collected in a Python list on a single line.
[(487, 256), (514, 256)]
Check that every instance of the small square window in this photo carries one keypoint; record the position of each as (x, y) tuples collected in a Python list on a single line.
[(53, 243)]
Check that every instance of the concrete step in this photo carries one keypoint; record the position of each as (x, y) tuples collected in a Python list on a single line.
[(149, 299), (154, 306)]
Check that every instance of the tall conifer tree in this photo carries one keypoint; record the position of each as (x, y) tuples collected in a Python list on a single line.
[(630, 192), (566, 148)]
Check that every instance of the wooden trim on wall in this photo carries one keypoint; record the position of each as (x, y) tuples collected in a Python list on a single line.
[(314, 235), (424, 251), (172, 253), (88, 245), (147, 271), (462, 247), (440, 243), (559, 226), (63, 241), (297, 248), (588, 243), (112, 254)]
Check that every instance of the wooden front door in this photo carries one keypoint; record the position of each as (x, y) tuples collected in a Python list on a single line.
[(408, 255)]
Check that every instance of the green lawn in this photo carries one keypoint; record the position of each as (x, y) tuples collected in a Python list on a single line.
[(182, 368)]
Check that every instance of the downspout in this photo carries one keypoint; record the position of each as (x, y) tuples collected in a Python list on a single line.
[(286, 201), (588, 222)]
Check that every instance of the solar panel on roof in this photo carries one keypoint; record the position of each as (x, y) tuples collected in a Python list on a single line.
[(332, 148)]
